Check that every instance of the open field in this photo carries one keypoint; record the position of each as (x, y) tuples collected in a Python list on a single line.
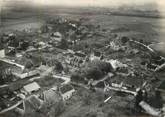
[(149, 29)]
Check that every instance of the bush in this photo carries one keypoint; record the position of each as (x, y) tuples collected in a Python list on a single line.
[(97, 69), (94, 73), (87, 98), (57, 109), (58, 67), (91, 114), (99, 96), (76, 77)]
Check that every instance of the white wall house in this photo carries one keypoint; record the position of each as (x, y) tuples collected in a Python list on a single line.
[(2, 53), (66, 91), (29, 88)]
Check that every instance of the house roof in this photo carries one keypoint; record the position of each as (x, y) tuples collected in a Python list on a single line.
[(14, 68), (96, 53), (65, 88), (57, 34), (137, 82), (32, 103), (117, 79), (80, 54), (31, 87), (52, 96)]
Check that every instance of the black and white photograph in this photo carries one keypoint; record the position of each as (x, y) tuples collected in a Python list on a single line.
[(82, 58)]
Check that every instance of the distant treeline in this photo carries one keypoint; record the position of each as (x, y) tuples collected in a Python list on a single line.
[(137, 15)]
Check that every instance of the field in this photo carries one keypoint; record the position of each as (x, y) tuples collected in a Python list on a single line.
[(148, 29)]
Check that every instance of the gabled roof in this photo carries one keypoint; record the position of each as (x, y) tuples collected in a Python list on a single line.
[(66, 88), (32, 103), (57, 34), (136, 82), (31, 87), (79, 54), (96, 53), (51, 96)]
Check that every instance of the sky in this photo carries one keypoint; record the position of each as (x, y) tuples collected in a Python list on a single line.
[(102, 3), (92, 2), (88, 3)]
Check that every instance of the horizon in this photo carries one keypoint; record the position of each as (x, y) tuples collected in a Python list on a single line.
[(84, 3)]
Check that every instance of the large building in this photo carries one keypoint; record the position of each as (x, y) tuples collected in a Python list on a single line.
[(78, 59)]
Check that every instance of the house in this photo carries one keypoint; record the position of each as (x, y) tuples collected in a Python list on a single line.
[(25, 75), (23, 45), (51, 96), (68, 57), (117, 82), (116, 64), (133, 83), (78, 59), (96, 55), (128, 83), (42, 45), (66, 91), (32, 87), (57, 36), (29, 105), (15, 67), (2, 53), (10, 51), (64, 79)]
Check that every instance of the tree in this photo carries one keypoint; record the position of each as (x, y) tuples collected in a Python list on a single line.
[(159, 99), (93, 73), (138, 99), (29, 64), (5, 74), (91, 114), (57, 109), (97, 69), (44, 29), (103, 66), (58, 67), (87, 98), (76, 77), (64, 44)]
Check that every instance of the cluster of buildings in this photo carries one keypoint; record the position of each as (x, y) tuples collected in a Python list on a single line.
[(30, 69)]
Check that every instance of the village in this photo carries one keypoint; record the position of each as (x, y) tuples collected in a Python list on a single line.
[(44, 72)]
